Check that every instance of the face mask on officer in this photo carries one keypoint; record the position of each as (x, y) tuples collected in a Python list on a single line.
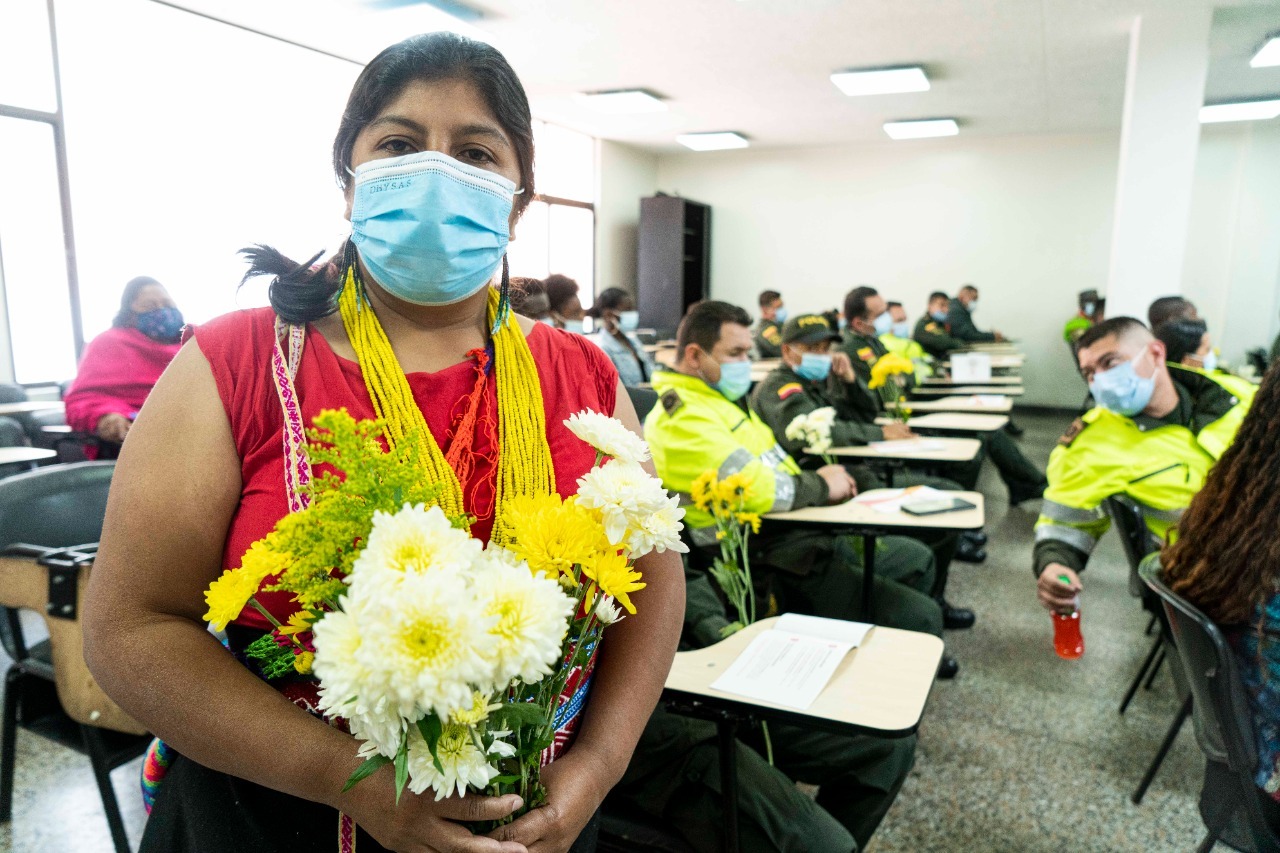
[(883, 324), (735, 377), (1121, 389)]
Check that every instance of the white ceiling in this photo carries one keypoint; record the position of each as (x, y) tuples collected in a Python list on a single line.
[(761, 66)]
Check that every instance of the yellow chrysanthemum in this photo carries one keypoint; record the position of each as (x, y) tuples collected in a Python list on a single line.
[(261, 562), (752, 518), (703, 490), (887, 365), (228, 595), (552, 537), (302, 662), (609, 571), (299, 623)]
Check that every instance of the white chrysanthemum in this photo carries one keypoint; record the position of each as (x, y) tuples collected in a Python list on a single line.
[(798, 429), (824, 416), (462, 761), (608, 612), (414, 541), (345, 684), (609, 436), (531, 615), (658, 531), (624, 493)]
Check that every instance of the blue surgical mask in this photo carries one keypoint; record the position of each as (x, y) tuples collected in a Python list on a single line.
[(163, 325), (629, 321), (430, 230), (883, 323), (813, 367), (1088, 309), (575, 326), (940, 316), (1210, 362), (781, 315), (1122, 390), (973, 306), (735, 379), (548, 321), (902, 330), (842, 323)]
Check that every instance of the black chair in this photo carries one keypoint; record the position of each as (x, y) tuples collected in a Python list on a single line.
[(1225, 724), (45, 516), (644, 399)]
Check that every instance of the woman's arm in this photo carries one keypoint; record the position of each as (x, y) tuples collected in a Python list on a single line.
[(176, 487), (631, 670)]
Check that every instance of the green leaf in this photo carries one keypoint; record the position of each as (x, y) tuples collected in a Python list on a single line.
[(506, 779), (402, 766), (731, 628), (364, 770), (515, 714), (431, 730)]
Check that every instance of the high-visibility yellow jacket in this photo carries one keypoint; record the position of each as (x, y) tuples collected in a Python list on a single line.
[(695, 429), (908, 349), (1158, 464)]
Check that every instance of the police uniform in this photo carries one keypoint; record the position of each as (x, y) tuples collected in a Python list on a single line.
[(768, 338), (695, 429), (960, 322), (674, 774), (1159, 463), (935, 337)]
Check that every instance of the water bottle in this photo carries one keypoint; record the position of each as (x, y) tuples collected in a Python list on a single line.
[(1068, 642)]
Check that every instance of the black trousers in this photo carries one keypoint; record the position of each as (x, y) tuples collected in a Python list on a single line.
[(199, 810)]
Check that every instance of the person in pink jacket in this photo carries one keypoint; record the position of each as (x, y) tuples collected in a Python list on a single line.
[(121, 366)]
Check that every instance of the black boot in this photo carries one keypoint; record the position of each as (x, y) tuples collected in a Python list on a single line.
[(977, 537), (969, 552), (956, 618), (948, 668)]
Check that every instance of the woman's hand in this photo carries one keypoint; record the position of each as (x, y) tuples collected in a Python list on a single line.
[(113, 427), (576, 784)]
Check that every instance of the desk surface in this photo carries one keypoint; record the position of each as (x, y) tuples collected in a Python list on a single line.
[(1005, 390), (958, 404), (952, 450), (27, 406), (855, 514), (879, 687), (991, 346), (994, 380), (956, 421), (1001, 360), (14, 455)]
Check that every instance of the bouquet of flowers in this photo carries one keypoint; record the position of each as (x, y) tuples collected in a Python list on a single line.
[(444, 657), (889, 375), (726, 500), (814, 429)]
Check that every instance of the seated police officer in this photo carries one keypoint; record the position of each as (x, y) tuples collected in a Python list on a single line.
[(811, 377), (700, 424), (933, 332), (960, 318), (1156, 431), (772, 315), (674, 774)]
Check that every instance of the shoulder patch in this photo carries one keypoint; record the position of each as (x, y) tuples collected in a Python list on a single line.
[(866, 354), (771, 334), (787, 390), (932, 327), (1077, 427), (671, 402)]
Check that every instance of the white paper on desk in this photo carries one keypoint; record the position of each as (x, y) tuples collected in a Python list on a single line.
[(970, 367), (906, 445), (989, 399), (788, 668), (890, 501)]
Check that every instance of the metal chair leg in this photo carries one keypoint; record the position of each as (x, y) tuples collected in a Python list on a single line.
[(1150, 625), (8, 741), (1174, 728), (1210, 840), (102, 773), (1155, 669), (1137, 679)]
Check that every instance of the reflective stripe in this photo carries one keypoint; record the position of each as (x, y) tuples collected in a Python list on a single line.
[(775, 457), (703, 537), (1173, 516), (784, 491), (1070, 514), (737, 460), (1072, 536)]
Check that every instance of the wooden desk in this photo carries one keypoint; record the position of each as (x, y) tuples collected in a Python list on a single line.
[(952, 450), (1003, 390), (1001, 347), (20, 455), (870, 524), (880, 688), (958, 404), (26, 407), (954, 421), (1000, 361), (994, 380)]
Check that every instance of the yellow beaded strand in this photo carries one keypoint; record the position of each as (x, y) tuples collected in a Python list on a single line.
[(524, 457)]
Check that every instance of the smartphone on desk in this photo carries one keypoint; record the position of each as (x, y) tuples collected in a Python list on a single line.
[(933, 506)]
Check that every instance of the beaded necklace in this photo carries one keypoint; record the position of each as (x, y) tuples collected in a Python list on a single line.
[(524, 457)]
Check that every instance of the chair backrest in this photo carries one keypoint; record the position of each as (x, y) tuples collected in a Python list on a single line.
[(1135, 538), (57, 506), (1220, 701), (644, 399), (12, 393)]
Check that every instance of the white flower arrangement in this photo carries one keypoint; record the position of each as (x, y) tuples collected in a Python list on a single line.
[(814, 429), (608, 436)]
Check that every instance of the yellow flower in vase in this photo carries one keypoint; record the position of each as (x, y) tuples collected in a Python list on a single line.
[(888, 375)]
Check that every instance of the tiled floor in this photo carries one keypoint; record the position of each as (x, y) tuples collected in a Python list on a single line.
[(1022, 753)]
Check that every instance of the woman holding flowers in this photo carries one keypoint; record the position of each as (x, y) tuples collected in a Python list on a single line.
[(410, 324)]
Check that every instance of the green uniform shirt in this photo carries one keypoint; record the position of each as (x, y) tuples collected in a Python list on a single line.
[(960, 322), (782, 396), (1159, 463), (863, 351), (768, 338), (935, 338)]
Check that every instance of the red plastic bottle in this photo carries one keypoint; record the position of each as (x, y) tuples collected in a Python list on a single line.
[(1068, 642)]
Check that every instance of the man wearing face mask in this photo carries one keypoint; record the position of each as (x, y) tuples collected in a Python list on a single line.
[(767, 334), (1092, 308), (1156, 431), (700, 424), (932, 332), (898, 340), (960, 318), (811, 377)]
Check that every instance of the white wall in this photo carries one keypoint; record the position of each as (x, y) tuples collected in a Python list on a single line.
[(626, 175)]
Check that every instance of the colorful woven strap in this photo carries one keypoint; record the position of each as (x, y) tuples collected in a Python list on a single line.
[(297, 465)]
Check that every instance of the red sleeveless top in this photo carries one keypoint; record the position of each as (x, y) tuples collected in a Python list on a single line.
[(574, 374)]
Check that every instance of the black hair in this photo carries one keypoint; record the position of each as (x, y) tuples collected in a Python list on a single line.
[(560, 289), (965, 287), (938, 294), (125, 316), (527, 292), (1181, 337), (301, 293), (893, 305), (1118, 326), (701, 325), (1168, 308), (768, 297), (609, 299), (855, 304)]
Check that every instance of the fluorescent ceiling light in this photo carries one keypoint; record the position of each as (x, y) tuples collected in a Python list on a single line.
[(1268, 55), (1242, 111), (921, 129), (623, 102), (881, 81), (712, 141)]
